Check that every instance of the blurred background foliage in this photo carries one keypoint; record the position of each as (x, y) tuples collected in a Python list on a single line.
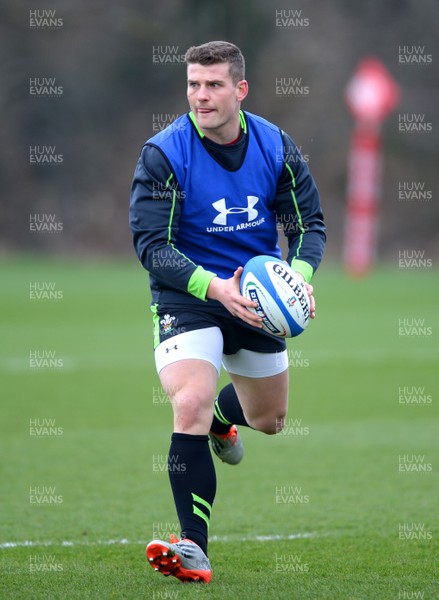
[(102, 56)]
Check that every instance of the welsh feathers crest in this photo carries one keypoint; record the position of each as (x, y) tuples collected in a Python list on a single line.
[(167, 323)]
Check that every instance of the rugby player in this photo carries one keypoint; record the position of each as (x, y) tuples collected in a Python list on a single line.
[(209, 192)]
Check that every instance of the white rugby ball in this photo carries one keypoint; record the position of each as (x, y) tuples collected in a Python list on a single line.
[(281, 295)]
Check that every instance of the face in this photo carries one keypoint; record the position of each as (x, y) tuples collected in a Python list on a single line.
[(215, 100)]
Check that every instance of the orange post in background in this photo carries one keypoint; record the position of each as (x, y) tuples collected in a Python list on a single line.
[(370, 95)]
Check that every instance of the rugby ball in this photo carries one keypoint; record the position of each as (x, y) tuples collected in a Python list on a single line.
[(280, 294)]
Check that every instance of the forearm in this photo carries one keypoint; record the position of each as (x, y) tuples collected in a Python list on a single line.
[(305, 252), (298, 209)]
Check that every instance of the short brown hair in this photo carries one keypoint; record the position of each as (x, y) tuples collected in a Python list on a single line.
[(213, 53)]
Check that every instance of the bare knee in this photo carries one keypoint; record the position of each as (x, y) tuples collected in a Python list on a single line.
[(190, 385), (268, 424), (193, 411)]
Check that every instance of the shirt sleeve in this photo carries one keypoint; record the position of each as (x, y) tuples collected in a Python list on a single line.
[(297, 206), (155, 208)]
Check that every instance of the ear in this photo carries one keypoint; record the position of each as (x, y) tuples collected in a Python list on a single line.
[(241, 90)]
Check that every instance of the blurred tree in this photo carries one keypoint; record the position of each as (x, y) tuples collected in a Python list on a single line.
[(102, 57)]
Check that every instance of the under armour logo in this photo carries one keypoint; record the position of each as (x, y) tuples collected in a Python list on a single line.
[(171, 348), (220, 206)]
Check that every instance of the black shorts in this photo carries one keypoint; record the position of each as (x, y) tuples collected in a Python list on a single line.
[(175, 318)]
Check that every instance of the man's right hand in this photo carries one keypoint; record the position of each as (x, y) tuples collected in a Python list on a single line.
[(227, 291)]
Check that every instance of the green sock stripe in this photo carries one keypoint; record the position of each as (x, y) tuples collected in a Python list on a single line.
[(219, 415), (199, 512), (196, 498)]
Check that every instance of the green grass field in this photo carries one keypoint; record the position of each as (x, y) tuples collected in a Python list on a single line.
[(342, 505)]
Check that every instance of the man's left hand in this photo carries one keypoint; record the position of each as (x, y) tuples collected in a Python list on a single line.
[(312, 302)]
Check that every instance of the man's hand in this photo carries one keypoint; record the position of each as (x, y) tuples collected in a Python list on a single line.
[(312, 302), (227, 291)]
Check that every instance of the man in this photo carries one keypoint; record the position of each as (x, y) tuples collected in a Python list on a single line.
[(208, 194)]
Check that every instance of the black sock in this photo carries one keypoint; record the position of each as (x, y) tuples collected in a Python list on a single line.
[(228, 411), (193, 482)]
